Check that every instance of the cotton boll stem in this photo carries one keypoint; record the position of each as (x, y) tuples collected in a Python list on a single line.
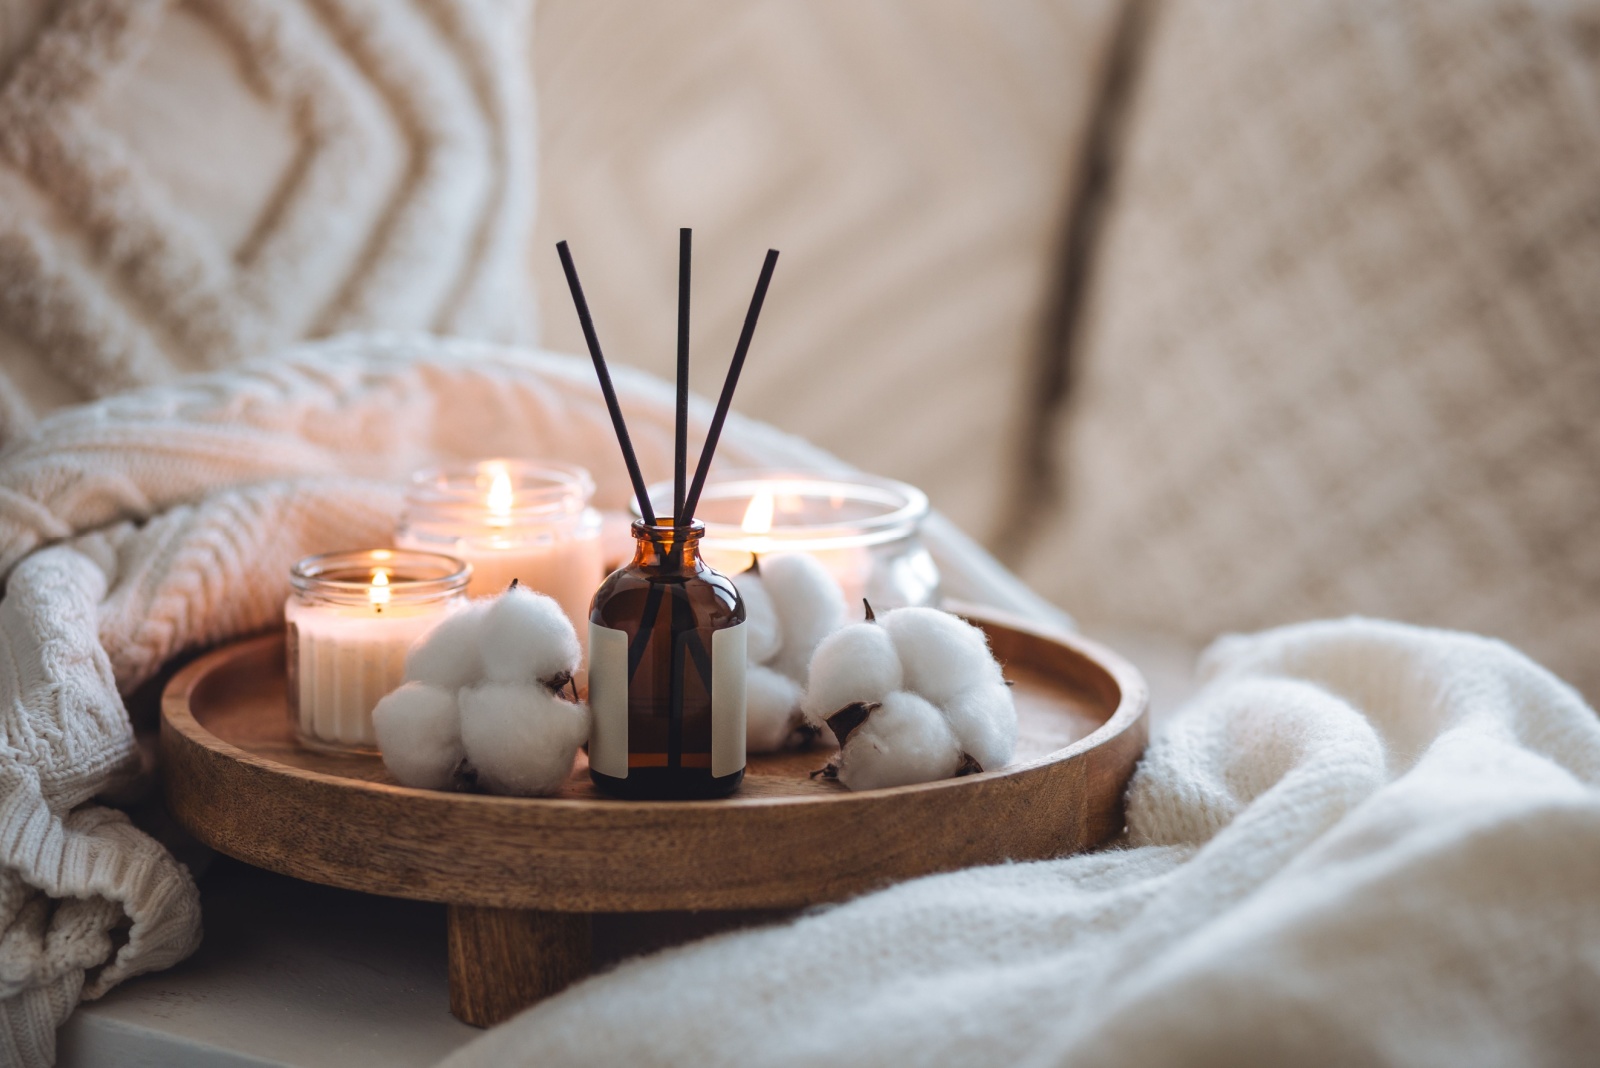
[(843, 723), (904, 741)]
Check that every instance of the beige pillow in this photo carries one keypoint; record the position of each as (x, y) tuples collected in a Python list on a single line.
[(910, 159), (186, 185), (1343, 352)]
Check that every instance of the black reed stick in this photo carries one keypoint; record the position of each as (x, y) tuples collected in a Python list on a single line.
[(680, 456), (647, 627), (708, 450), (680, 638), (606, 388)]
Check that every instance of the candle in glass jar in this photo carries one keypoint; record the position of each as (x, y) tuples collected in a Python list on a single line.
[(511, 519), (351, 620), (863, 530)]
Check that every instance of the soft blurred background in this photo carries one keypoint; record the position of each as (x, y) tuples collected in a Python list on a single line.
[(1203, 315), (913, 162)]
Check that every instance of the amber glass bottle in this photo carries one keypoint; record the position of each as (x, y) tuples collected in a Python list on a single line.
[(667, 672)]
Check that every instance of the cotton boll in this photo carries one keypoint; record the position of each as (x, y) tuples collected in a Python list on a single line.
[(809, 604), (857, 663), (942, 655), (526, 638), (772, 703), (984, 720), (419, 735), (905, 740), (762, 638), (522, 738), (447, 656)]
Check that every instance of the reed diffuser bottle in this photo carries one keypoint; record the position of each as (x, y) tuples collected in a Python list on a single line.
[(666, 637), (666, 672)]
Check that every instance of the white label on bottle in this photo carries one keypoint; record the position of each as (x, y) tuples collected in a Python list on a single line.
[(608, 700), (727, 700)]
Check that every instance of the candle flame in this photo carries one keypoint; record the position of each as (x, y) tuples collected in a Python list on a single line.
[(500, 497), (378, 592), (758, 516)]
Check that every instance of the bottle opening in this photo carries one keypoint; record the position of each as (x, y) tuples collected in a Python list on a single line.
[(667, 529)]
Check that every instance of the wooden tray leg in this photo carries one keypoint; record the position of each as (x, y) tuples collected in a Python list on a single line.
[(503, 960)]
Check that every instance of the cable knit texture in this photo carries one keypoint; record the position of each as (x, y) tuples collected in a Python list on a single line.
[(1362, 843), (1342, 347), (187, 185), (161, 521)]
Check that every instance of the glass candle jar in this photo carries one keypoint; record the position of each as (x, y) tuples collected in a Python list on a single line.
[(864, 530), (511, 519), (352, 617), (667, 672)]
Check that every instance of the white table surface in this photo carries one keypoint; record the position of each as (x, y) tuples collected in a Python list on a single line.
[(294, 975), (289, 974)]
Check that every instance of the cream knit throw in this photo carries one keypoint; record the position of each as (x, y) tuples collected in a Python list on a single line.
[(139, 527), (187, 185), (1363, 844)]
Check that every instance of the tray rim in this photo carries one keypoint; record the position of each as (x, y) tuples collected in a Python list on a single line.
[(180, 727), (1130, 685)]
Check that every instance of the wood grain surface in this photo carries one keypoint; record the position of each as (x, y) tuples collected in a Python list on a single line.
[(238, 781), (503, 960)]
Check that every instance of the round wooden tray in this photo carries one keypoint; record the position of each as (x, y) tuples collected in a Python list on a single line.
[(238, 781)]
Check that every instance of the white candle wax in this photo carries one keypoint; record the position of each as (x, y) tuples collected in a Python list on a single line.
[(345, 659), (568, 571), (351, 621), (512, 519), (851, 567), (862, 530)]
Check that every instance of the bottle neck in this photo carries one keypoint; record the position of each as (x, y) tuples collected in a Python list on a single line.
[(666, 547)]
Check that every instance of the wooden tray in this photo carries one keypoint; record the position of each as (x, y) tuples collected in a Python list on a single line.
[(522, 874)]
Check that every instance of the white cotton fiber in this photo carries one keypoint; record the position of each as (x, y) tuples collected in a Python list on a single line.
[(762, 637), (772, 707), (477, 692), (521, 739), (419, 733), (941, 654), (809, 605), (906, 740), (857, 663), (526, 637), (913, 663), (984, 719), (447, 656)]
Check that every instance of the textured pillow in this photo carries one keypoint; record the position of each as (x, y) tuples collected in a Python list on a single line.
[(1343, 352), (186, 185), (911, 159)]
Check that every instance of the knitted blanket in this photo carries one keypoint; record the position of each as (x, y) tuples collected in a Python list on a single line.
[(1363, 843), (142, 526)]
